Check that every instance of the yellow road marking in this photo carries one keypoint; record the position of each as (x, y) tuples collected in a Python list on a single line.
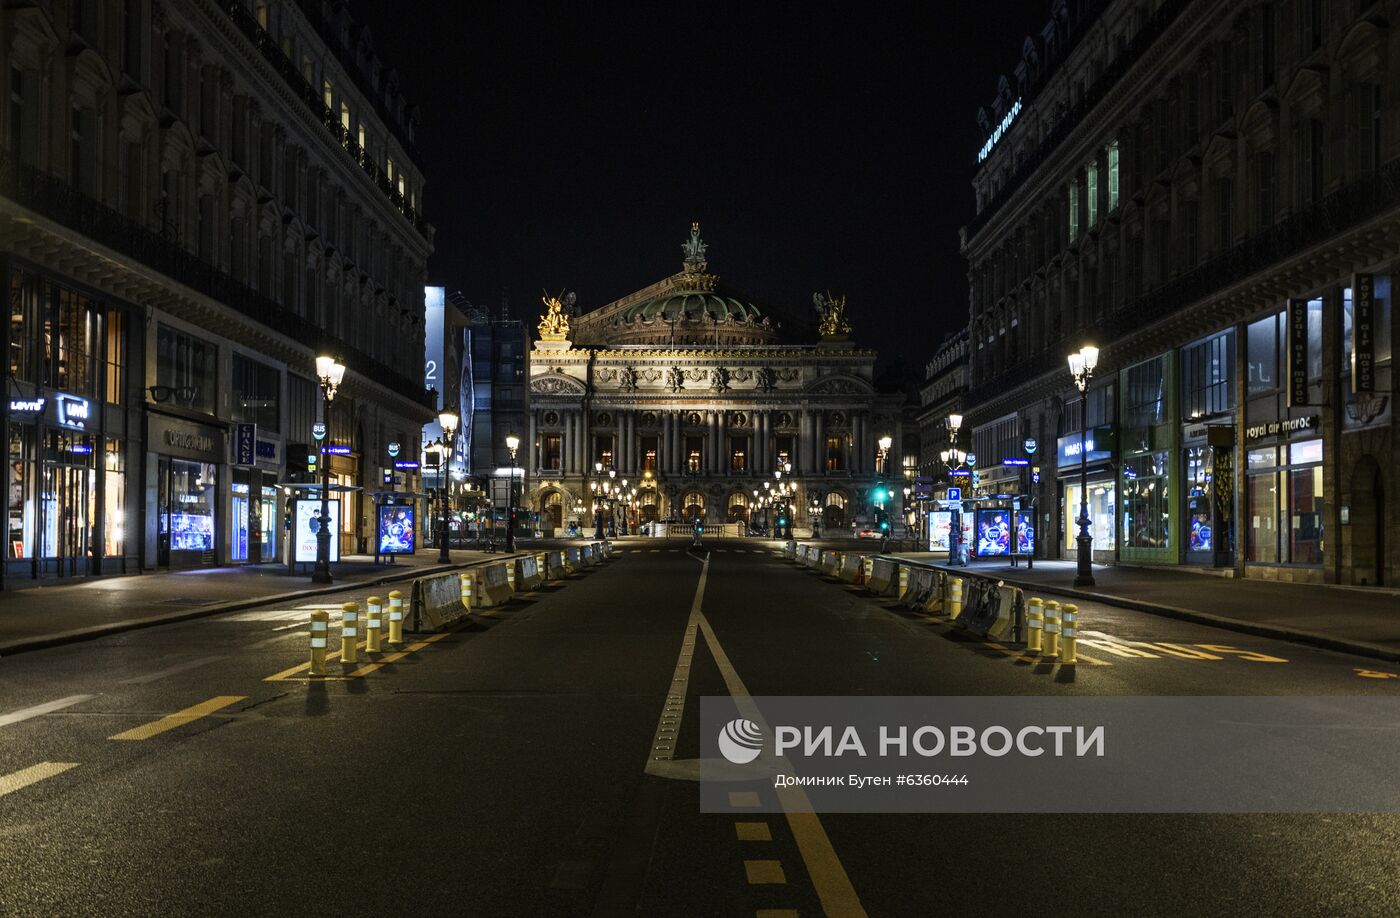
[(743, 798), (1178, 650), (16, 780), (398, 655), (179, 718), (1119, 649), (752, 831), (764, 872), (1376, 674), (1031, 658), (1242, 654), (776, 913)]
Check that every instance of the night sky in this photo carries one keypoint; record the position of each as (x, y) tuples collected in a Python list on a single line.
[(821, 146)]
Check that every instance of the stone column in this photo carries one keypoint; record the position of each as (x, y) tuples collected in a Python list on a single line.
[(758, 450), (532, 449), (819, 442), (802, 455)]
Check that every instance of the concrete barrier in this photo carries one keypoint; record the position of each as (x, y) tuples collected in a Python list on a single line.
[(883, 575), (831, 563), (553, 565), (852, 568), (436, 602), (991, 608), (573, 558), (491, 585), (527, 574), (789, 549), (922, 583)]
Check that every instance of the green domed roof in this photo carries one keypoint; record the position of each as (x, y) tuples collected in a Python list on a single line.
[(692, 305)]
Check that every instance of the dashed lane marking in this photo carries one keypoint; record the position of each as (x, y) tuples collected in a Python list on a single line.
[(1375, 674), (17, 780), (764, 872), (179, 718), (753, 831), (47, 707)]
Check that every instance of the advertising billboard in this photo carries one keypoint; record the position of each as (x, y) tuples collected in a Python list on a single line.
[(993, 533), (397, 532), (1025, 532), (304, 532), (940, 529)]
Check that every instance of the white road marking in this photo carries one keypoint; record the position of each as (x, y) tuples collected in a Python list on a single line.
[(267, 615), (47, 707), (177, 668)]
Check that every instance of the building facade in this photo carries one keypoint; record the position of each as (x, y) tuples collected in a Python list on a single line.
[(197, 199), (941, 395), (1209, 191), (695, 396)]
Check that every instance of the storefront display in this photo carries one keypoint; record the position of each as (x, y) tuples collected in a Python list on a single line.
[(1146, 502), (187, 506), (1025, 532), (1102, 510), (267, 522), (1285, 504)]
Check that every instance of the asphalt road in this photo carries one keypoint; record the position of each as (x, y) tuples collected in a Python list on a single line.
[(502, 769)]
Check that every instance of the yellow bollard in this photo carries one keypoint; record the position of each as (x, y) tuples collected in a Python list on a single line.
[(1052, 629), (954, 597), (465, 578), (1035, 623), (510, 576), (373, 606), (1069, 631), (395, 617), (320, 620), (903, 581), (349, 633)]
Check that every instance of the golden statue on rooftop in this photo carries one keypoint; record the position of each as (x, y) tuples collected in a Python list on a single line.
[(554, 324), (832, 310)]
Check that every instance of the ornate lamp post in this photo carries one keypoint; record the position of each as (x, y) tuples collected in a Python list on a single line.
[(885, 443), (329, 373), (1081, 367), (953, 459), (448, 422), (512, 444)]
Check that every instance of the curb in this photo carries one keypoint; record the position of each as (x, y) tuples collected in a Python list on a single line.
[(1297, 636), (78, 635)]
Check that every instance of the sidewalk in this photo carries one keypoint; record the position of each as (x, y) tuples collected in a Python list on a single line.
[(62, 612), (1360, 620)]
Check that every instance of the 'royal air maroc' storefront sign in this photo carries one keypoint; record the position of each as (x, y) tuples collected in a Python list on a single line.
[(1278, 428)]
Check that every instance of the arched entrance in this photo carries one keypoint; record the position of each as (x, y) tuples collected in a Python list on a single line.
[(834, 515), (552, 514), (692, 506), (648, 510), (738, 510), (1367, 526)]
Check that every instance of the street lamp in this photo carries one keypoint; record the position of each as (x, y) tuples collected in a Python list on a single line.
[(953, 459), (448, 421), (1081, 367), (329, 373), (885, 443), (512, 444)]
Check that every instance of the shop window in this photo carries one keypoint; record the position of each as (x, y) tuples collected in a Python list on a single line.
[(23, 297), (1286, 505), (1146, 502), (67, 496), (1200, 527), (114, 499), (257, 390), (1261, 352), (1101, 515), (186, 505), (185, 370), (71, 335)]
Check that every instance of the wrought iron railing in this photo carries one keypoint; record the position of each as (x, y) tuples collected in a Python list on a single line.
[(311, 97), (1343, 209), (57, 200)]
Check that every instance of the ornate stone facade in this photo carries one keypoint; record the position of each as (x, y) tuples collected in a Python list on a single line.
[(698, 426)]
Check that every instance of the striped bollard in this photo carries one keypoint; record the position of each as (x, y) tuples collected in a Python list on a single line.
[(1052, 629), (954, 597), (903, 581), (510, 576), (466, 579), (373, 609), (320, 621), (349, 633), (396, 617), (1035, 623), (1069, 633)]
